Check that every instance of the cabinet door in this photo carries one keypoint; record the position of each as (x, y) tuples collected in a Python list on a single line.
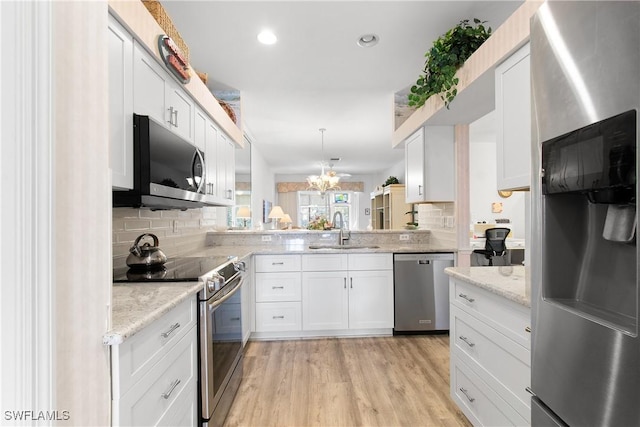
[(414, 164), (439, 169), (225, 169), (211, 158), (371, 299), (120, 105), (513, 112), (180, 107), (325, 301), (200, 122), (148, 88)]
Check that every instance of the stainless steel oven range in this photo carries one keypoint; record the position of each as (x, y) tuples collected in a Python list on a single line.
[(219, 324), (220, 329)]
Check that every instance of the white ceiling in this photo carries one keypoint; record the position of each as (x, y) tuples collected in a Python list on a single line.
[(315, 75)]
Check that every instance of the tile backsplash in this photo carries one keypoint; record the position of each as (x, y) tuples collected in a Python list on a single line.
[(178, 231)]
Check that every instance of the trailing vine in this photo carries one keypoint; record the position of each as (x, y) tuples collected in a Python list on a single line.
[(448, 53)]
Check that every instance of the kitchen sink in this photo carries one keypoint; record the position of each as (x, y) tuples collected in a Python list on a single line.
[(343, 247)]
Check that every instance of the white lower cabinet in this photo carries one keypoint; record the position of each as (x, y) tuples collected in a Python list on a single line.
[(277, 293), (323, 294), (154, 373), (490, 356), (359, 296)]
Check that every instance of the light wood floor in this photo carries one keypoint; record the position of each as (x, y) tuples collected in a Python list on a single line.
[(387, 381)]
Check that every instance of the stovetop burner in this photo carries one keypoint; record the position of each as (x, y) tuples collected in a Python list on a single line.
[(187, 269)]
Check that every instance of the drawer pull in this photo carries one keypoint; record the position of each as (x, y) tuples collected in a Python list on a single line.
[(463, 296), (527, 329), (170, 331), (278, 317), (277, 287), (167, 393), (277, 263), (466, 340), (466, 393), (345, 283)]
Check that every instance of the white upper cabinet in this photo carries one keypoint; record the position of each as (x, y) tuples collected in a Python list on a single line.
[(513, 115), (430, 165), (157, 95), (226, 169), (120, 105)]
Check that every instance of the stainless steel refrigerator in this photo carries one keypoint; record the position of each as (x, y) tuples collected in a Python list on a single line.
[(585, 80)]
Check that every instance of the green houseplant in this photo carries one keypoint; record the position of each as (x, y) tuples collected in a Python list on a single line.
[(448, 53)]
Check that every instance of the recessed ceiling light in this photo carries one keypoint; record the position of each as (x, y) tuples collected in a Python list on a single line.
[(267, 37), (368, 40)]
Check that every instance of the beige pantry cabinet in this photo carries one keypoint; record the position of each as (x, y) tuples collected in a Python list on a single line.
[(389, 209)]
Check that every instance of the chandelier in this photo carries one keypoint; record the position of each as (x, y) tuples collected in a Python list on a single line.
[(326, 180)]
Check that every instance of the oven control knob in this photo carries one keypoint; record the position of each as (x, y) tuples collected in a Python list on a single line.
[(215, 282)]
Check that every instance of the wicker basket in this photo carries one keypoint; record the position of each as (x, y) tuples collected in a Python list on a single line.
[(227, 108), (162, 18), (203, 76)]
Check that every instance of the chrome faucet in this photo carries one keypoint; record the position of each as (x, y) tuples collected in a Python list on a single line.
[(344, 235)]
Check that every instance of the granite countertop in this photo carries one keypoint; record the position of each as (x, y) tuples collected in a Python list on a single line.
[(136, 305), (506, 281), (288, 249)]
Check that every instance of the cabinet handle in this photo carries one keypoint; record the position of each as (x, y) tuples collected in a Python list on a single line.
[(466, 340), (351, 282), (171, 116), (466, 393), (277, 263), (278, 317), (170, 331), (235, 319), (345, 283), (463, 296), (419, 190), (527, 329), (176, 121), (277, 287), (167, 393)]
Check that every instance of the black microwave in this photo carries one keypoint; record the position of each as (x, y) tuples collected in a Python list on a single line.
[(168, 171), (598, 160)]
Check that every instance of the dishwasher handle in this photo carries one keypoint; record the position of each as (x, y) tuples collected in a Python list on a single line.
[(424, 261)]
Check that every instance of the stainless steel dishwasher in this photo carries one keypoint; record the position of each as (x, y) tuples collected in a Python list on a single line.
[(421, 292)]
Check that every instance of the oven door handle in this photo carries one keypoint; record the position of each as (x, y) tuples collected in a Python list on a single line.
[(217, 302)]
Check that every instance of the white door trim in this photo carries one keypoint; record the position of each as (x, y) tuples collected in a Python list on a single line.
[(26, 218)]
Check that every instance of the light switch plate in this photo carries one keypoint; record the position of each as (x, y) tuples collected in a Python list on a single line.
[(405, 237), (266, 238)]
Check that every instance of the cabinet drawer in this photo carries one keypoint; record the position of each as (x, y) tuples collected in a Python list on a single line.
[(154, 396), (276, 263), (278, 316), (507, 317), (135, 356), (272, 287), (375, 261), (478, 401), (324, 262), (500, 362)]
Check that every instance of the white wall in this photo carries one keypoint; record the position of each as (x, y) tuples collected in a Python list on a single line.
[(263, 184), (483, 180)]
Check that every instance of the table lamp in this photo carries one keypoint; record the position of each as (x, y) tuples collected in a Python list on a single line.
[(244, 213), (276, 213), (286, 219)]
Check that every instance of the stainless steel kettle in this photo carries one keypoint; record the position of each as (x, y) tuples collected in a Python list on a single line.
[(146, 256)]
